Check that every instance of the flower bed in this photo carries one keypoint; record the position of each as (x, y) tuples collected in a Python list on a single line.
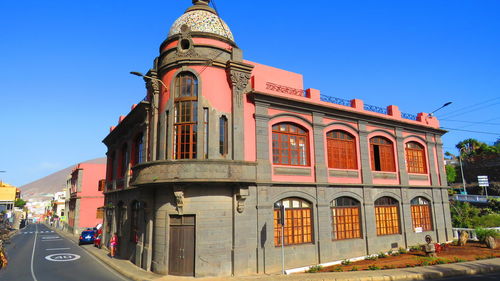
[(416, 257)]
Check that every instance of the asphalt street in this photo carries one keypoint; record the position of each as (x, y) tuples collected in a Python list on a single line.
[(479, 277), (37, 253)]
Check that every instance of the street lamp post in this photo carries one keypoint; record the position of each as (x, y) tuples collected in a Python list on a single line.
[(462, 169), (136, 73)]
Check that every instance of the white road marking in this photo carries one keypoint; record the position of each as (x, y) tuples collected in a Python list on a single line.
[(62, 257), (55, 249), (50, 237), (32, 257), (53, 239)]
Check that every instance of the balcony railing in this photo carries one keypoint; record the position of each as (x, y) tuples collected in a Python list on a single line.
[(335, 100)]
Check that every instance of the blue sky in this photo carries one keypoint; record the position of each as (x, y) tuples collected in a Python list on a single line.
[(64, 64)]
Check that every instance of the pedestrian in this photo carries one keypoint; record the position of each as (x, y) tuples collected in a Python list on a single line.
[(113, 244)]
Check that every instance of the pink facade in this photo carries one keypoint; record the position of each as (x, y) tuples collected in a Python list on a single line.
[(85, 198)]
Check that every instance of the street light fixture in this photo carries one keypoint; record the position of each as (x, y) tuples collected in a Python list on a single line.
[(136, 73), (444, 105)]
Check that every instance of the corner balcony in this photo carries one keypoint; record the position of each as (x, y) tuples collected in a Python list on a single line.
[(170, 171)]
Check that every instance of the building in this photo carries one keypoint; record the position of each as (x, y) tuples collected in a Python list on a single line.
[(84, 196), (8, 196), (198, 171), (58, 208)]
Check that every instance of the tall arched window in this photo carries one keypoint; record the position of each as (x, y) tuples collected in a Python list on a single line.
[(223, 135), (186, 116), (110, 167), (138, 150), (415, 158), (298, 222), (421, 213), (382, 154), (290, 145), (124, 159), (387, 216), (341, 148), (346, 218)]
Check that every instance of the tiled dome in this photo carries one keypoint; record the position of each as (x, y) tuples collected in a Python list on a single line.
[(202, 21)]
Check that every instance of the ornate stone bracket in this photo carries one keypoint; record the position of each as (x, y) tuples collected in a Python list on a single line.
[(239, 76), (185, 46), (179, 199), (241, 196)]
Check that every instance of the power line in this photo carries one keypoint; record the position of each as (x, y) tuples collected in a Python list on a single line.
[(479, 132), (470, 122), (469, 108)]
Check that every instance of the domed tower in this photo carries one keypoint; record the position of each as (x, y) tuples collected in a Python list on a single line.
[(198, 109)]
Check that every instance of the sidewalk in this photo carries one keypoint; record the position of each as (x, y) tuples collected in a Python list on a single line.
[(129, 270)]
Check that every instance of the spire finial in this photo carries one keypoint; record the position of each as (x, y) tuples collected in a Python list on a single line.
[(201, 2)]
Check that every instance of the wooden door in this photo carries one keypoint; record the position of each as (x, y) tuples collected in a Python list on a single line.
[(181, 245)]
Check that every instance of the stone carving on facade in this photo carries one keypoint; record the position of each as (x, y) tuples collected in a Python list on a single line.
[(240, 81), (185, 47), (179, 199), (241, 196)]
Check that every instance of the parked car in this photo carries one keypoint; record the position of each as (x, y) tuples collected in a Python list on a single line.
[(98, 238), (87, 237)]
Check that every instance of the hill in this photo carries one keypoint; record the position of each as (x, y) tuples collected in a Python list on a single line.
[(41, 188)]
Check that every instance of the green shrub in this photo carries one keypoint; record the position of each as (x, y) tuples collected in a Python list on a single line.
[(382, 255), (416, 248), (337, 268), (388, 267), (373, 267), (410, 265), (482, 233), (354, 268), (371, 258), (396, 253), (490, 220), (456, 259), (346, 262), (314, 269), (442, 261), (402, 251)]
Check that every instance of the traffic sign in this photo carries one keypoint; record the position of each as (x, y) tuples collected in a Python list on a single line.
[(483, 181)]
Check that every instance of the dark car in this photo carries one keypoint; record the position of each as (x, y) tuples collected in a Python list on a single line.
[(87, 237)]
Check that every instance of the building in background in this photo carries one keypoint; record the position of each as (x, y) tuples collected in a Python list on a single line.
[(58, 209), (84, 196), (8, 196), (199, 170)]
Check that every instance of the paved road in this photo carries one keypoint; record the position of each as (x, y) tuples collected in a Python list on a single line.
[(37, 253)]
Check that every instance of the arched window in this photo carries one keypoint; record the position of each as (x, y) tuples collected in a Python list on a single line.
[(290, 145), (138, 150), (346, 218), (382, 154), (387, 216), (223, 135), (186, 116), (110, 167), (298, 222), (341, 148), (421, 213), (415, 158), (124, 159)]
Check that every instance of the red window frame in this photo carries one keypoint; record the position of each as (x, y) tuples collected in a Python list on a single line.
[(287, 141), (186, 116), (387, 216), (382, 155), (298, 222), (346, 218), (341, 149), (421, 213), (415, 158)]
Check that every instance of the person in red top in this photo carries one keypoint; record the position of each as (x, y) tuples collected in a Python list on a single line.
[(113, 244)]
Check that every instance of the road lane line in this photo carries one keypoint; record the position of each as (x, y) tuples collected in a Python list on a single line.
[(55, 249), (33, 256)]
